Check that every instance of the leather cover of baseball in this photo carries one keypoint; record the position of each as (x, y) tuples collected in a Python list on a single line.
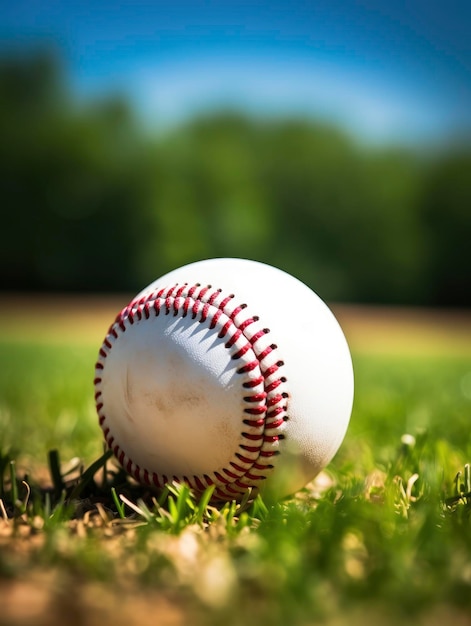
[(228, 372)]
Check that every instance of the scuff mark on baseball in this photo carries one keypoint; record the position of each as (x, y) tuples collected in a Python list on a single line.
[(227, 372)]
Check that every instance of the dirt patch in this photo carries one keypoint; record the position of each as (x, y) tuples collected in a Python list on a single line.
[(58, 318), (408, 331), (85, 319), (47, 598)]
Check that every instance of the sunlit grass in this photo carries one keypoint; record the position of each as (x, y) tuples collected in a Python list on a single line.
[(46, 400), (385, 531)]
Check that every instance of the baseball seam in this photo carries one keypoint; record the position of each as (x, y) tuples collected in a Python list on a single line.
[(264, 387)]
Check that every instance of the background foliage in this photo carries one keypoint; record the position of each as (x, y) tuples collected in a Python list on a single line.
[(93, 201)]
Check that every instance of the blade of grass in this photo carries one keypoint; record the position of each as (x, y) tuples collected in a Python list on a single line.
[(55, 471), (203, 504), (88, 475), (13, 484), (24, 504), (140, 508), (3, 511), (467, 478), (4, 463), (118, 504)]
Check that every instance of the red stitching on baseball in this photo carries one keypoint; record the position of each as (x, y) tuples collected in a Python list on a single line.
[(255, 476), (243, 458), (259, 410), (255, 382), (272, 369), (231, 474), (214, 321), (255, 423), (231, 491), (199, 483), (259, 466), (270, 412), (274, 400), (248, 368), (251, 320), (220, 478), (257, 397), (237, 467), (253, 437), (234, 338)]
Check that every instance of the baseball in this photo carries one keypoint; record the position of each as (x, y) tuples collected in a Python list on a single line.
[(227, 372)]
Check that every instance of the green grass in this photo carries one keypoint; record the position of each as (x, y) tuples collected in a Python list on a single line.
[(385, 533)]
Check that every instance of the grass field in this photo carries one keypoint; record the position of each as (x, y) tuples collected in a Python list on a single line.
[(382, 536)]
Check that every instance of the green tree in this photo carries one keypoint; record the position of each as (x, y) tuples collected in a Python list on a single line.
[(73, 185), (93, 201), (345, 217), (447, 220)]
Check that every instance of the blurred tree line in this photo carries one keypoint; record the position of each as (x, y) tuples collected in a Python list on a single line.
[(91, 201)]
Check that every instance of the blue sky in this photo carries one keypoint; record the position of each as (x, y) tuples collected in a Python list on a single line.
[(387, 71)]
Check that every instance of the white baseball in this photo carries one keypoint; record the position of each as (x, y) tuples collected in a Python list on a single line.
[(226, 372)]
